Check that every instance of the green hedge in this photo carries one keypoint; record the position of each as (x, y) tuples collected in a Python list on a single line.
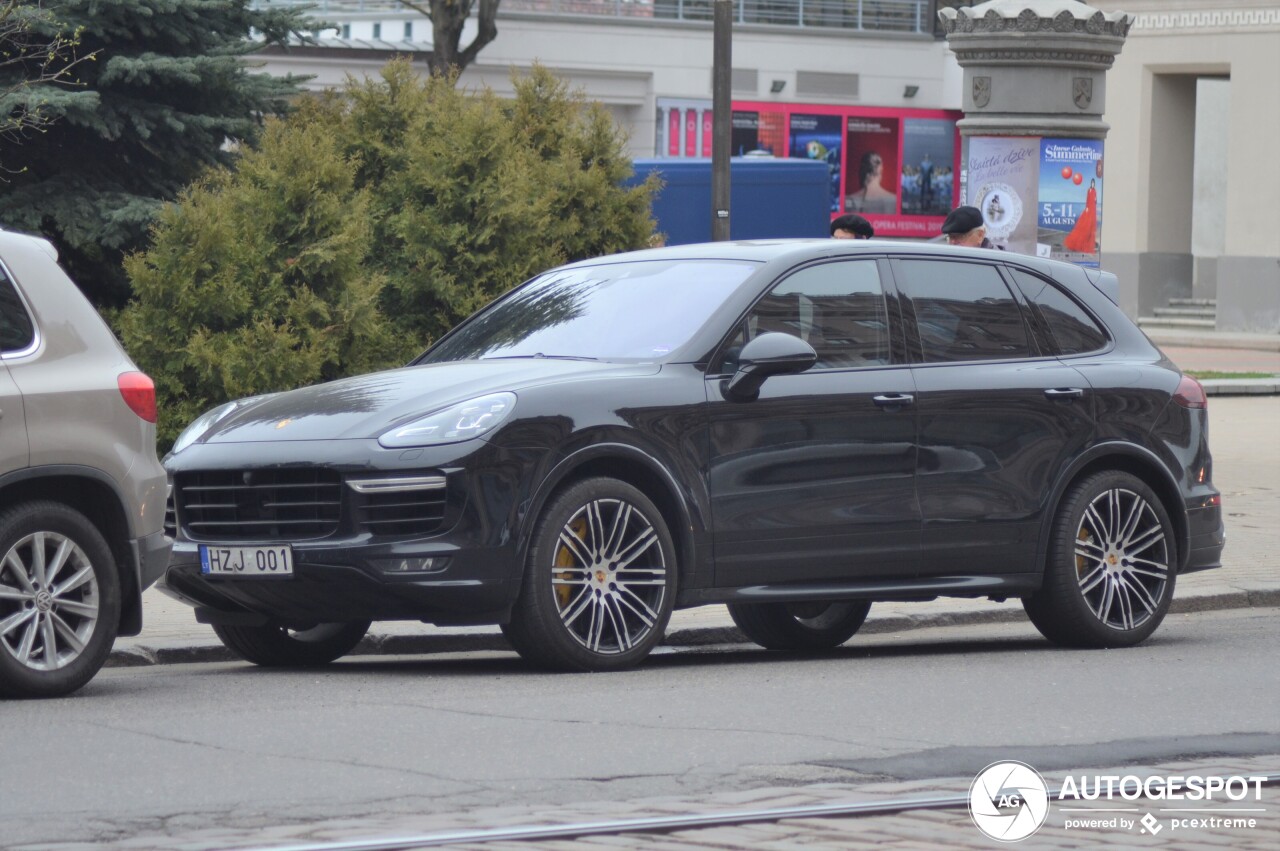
[(364, 226)]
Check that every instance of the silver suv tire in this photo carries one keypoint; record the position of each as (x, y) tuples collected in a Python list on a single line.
[(59, 600)]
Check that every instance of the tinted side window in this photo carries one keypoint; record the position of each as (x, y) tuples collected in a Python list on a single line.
[(964, 311), (838, 308), (1073, 330), (16, 330)]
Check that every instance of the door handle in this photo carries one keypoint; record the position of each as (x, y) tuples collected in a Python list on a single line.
[(893, 400), (1064, 393)]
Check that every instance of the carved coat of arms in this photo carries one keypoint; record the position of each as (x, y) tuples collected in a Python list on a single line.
[(1082, 91), (981, 91)]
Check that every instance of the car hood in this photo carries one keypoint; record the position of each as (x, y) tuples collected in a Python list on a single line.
[(366, 406)]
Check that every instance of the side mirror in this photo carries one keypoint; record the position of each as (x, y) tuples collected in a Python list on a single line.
[(766, 355)]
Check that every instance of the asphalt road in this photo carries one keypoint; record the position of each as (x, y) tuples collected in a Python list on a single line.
[(176, 748)]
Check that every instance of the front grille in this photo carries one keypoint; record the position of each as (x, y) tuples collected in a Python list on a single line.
[(259, 505), (402, 513)]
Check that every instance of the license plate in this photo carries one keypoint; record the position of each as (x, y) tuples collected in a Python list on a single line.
[(246, 561)]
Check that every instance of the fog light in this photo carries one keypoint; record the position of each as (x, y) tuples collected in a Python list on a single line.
[(399, 566)]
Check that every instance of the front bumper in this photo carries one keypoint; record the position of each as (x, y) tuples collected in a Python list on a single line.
[(344, 583), (347, 573)]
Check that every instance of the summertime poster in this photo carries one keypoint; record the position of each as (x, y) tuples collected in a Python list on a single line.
[(1070, 208), (1001, 182)]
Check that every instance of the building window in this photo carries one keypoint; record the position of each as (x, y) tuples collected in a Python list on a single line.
[(377, 30), (346, 30), (408, 30)]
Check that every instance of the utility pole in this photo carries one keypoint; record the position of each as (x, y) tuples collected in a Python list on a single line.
[(721, 117)]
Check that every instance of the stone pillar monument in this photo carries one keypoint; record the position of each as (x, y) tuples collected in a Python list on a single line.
[(1032, 135)]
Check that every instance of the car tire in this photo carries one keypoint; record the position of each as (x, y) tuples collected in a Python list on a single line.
[(279, 647), (800, 626), (599, 583), (55, 630), (1111, 566)]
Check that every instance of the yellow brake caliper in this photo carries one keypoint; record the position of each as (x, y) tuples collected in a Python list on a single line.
[(564, 558), (1082, 563)]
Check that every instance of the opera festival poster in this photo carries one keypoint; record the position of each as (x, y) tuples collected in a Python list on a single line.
[(871, 167), (1070, 200)]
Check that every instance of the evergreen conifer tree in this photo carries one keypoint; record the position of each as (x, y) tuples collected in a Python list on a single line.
[(166, 95)]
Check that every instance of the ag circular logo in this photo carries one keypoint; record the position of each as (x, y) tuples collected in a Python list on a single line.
[(1008, 801)]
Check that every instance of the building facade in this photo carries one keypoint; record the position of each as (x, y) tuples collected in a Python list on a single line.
[(1193, 103)]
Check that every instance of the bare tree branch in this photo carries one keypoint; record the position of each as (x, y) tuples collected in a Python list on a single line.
[(448, 17), (35, 50)]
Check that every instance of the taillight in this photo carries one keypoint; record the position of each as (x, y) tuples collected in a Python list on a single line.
[(139, 394), (1190, 394)]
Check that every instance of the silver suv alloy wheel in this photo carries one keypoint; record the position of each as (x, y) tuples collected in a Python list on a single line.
[(49, 601)]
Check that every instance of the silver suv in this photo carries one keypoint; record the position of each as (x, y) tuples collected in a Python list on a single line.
[(82, 494)]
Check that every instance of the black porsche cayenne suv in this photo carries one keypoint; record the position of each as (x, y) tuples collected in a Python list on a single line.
[(795, 428)]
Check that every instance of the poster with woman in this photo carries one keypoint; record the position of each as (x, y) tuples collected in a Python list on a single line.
[(1070, 208), (871, 166)]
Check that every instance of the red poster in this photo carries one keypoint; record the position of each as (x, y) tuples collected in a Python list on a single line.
[(690, 133), (897, 167), (706, 132), (673, 133)]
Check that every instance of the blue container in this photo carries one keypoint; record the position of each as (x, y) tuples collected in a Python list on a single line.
[(768, 198)]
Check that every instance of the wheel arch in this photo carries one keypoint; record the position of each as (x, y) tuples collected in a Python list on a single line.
[(95, 495), (1127, 458), (635, 467)]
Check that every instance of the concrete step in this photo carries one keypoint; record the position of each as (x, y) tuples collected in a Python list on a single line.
[(1193, 302), (1187, 312), (1174, 322)]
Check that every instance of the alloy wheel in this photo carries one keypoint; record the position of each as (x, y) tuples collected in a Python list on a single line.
[(1121, 559), (609, 576), (49, 601)]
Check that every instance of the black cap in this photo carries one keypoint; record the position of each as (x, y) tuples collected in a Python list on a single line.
[(962, 220), (854, 224)]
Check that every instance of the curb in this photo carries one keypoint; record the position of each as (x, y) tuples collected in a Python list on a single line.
[(1241, 386), (407, 645), (1205, 339)]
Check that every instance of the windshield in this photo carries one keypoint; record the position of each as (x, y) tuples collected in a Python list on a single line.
[(637, 311)]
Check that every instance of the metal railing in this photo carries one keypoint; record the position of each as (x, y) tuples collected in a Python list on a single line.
[(905, 16)]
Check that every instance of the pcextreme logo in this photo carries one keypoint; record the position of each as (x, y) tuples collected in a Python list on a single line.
[(1008, 801)]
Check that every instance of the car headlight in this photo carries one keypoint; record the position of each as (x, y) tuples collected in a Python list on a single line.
[(206, 421), (463, 421)]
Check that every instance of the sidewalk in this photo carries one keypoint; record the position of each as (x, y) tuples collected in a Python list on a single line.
[(1207, 351), (1246, 468)]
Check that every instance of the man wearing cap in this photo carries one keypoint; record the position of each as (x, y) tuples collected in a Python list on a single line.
[(964, 226), (851, 226)]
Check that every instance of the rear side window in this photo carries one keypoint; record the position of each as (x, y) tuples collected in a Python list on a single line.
[(1074, 331), (963, 311), (16, 329)]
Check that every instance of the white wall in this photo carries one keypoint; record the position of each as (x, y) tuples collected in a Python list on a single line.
[(628, 64)]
